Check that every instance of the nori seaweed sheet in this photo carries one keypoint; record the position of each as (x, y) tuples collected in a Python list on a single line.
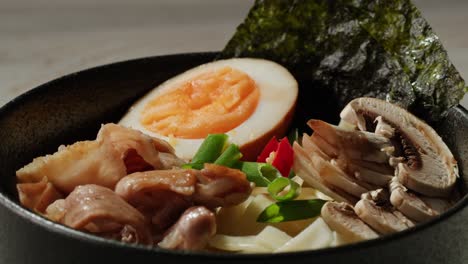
[(343, 49)]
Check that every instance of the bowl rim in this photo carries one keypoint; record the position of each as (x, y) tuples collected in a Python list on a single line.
[(28, 215)]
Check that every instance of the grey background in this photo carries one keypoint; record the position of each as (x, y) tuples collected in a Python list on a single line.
[(44, 39)]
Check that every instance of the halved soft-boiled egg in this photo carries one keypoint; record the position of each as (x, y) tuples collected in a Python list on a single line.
[(251, 100)]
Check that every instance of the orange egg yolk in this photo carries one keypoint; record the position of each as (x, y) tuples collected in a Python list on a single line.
[(213, 102)]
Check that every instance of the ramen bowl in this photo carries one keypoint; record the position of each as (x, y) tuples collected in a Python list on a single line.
[(73, 108)]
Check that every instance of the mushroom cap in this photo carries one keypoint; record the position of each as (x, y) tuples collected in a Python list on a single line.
[(375, 210), (342, 218), (408, 203), (428, 166)]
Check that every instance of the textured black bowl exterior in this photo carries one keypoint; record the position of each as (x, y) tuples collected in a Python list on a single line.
[(73, 107)]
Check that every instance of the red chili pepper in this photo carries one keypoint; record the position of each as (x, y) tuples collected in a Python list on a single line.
[(271, 146), (283, 157)]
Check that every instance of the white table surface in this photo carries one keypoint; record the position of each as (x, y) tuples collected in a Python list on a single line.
[(43, 39)]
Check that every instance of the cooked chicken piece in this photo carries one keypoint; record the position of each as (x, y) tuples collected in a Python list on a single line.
[(423, 161), (213, 186), (125, 140), (139, 184), (163, 213), (409, 203), (85, 162), (162, 195), (128, 234), (192, 231), (37, 196), (56, 210), (375, 209), (99, 210), (104, 161), (303, 166), (169, 160), (342, 218), (221, 186)]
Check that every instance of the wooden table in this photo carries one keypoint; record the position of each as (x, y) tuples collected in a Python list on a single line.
[(43, 39)]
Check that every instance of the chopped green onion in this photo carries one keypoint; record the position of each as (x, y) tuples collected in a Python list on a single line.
[(230, 156), (209, 151), (261, 174), (279, 184), (291, 210)]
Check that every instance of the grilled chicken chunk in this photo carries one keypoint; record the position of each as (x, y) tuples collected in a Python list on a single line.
[(221, 186), (104, 161), (37, 196), (98, 210), (192, 231), (162, 195)]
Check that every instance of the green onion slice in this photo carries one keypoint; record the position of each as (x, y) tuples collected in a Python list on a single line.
[(210, 149), (262, 174), (291, 210), (279, 184), (230, 156)]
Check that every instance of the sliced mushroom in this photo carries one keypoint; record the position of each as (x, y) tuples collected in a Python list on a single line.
[(359, 174), (375, 209), (336, 177), (353, 144), (310, 147), (438, 205), (342, 218), (362, 155), (303, 166), (379, 177), (408, 203), (424, 162)]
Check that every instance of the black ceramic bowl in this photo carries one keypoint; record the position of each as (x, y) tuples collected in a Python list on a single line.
[(73, 107)]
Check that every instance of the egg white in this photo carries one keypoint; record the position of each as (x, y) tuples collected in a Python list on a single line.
[(278, 94)]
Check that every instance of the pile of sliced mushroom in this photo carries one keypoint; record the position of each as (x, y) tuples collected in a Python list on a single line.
[(386, 169)]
